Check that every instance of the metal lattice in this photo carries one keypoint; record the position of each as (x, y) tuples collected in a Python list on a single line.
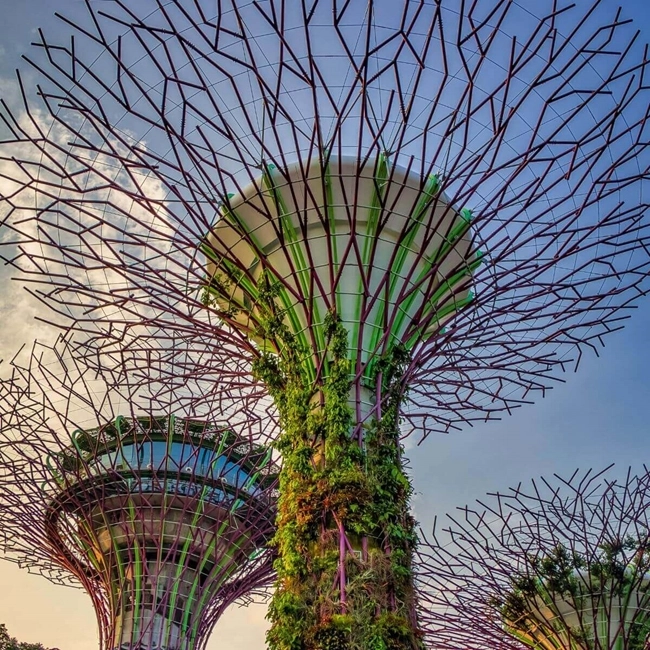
[(462, 185), (466, 180), (164, 521), (555, 564)]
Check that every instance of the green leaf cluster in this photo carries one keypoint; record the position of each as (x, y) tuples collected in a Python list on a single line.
[(331, 483), (588, 583), (9, 643)]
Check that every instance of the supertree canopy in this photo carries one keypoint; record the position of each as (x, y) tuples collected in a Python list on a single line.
[(555, 565), (164, 521), (374, 210)]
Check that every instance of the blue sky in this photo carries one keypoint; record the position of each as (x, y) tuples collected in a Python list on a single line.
[(598, 416)]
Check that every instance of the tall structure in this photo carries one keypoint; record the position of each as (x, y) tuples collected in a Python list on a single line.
[(164, 521), (555, 565), (383, 212)]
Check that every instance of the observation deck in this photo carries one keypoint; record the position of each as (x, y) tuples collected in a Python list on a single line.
[(167, 516)]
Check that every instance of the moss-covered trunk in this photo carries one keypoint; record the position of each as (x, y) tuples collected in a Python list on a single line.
[(345, 537)]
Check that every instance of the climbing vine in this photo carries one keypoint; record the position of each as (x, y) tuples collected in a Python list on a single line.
[(344, 536)]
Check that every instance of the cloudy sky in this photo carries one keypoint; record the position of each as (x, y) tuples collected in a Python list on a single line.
[(598, 416)]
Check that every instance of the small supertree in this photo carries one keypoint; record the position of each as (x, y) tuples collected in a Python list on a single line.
[(376, 209), (164, 521), (558, 565)]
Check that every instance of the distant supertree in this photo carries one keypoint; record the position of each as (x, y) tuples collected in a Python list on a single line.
[(164, 521), (376, 209), (556, 565)]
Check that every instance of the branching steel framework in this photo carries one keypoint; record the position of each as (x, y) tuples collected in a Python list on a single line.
[(163, 521), (555, 564), (440, 205), (152, 126)]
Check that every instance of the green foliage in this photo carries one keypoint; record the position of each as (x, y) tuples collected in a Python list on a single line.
[(390, 487), (329, 483), (335, 633), (89, 444), (609, 566), (84, 441), (9, 643), (516, 605), (558, 571), (394, 632), (639, 634), (565, 575), (70, 462)]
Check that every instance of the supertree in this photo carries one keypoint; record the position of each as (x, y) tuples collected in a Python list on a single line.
[(554, 565), (163, 520), (376, 210)]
